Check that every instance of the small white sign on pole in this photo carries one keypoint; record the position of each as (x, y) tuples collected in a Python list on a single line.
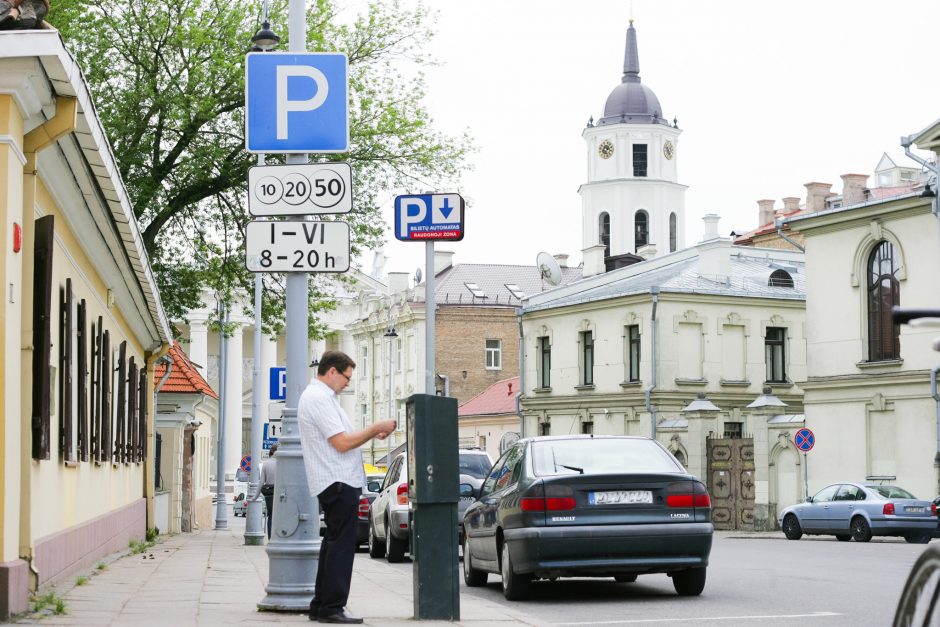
[(299, 189), (297, 246)]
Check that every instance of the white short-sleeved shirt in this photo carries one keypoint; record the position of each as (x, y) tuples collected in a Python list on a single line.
[(320, 417), (268, 471)]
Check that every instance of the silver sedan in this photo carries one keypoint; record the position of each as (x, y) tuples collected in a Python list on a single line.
[(859, 511)]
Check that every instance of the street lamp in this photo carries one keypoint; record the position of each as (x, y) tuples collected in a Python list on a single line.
[(390, 334), (265, 39)]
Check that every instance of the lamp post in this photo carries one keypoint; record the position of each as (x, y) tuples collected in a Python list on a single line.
[(264, 41), (221, 510), (390, 334)]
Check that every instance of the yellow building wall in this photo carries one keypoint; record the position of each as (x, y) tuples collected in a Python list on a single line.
[(69, 493), (11, 212)]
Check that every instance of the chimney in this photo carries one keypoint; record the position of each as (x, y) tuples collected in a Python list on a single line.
[(711, 226), (593, 260), (765, 212), (854, 188), (397, 282), (443, 259), (816, 194), (562, 259), (790, 204)]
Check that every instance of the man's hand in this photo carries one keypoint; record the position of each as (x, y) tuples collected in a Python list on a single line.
[(383, 428)]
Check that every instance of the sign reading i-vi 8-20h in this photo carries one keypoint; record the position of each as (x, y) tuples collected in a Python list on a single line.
[(297, 246)]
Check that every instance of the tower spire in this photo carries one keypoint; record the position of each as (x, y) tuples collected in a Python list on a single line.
[(631, 58)]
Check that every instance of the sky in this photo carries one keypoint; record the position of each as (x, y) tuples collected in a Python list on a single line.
[(769, 96)]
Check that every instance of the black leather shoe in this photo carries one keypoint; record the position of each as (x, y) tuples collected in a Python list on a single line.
[(313, 613), (340, 617)]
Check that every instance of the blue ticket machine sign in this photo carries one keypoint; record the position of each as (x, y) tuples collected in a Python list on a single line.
[(296, 102), (435, 217)]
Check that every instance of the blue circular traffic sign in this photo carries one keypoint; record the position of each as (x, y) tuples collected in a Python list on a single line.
[(804, 439)]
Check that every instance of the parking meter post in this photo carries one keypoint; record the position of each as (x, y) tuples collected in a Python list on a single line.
[(431, 429)]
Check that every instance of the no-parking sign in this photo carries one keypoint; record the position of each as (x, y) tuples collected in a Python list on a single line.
[(804, 439)]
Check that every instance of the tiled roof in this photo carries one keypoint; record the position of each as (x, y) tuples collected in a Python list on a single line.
[(184, 377), (499, 284), (499, 398)]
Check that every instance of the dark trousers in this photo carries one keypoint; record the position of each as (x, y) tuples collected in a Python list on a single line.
[(340, 504), (269, 503)]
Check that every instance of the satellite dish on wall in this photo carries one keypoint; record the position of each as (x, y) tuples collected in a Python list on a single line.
[(509, 438), (418, 276), (548, 268)]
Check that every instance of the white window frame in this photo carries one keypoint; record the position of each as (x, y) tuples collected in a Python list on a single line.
[(493, 355)]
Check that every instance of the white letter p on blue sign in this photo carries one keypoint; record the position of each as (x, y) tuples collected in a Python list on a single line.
[(296, 102)]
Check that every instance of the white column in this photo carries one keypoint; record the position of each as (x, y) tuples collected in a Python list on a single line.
[(198, 349), (233, 401)]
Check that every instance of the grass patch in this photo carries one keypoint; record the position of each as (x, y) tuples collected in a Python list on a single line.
[(81, 581), (101, 566), (50, 600), (152, 534)]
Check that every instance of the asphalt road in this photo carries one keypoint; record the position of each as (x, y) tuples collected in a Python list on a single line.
[(752, 580)]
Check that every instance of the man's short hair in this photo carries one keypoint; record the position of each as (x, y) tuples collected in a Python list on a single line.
[(335, 359), (273, 449)]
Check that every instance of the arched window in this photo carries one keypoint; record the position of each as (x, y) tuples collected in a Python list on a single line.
[(672, 232), (780, 278), (884, 291), (603, 229), (641, 223)]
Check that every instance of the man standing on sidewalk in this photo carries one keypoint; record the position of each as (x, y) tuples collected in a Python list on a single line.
[(335, 476)]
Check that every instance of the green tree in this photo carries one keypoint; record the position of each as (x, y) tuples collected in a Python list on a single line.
[(168, 85)]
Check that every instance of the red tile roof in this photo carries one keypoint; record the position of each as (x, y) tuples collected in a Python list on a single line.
[(184, 377), (499, 398)]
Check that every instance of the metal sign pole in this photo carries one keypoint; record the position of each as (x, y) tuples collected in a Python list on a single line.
[(221, 507), (805, 475), (294, 549), (254, 533), (429, 305)]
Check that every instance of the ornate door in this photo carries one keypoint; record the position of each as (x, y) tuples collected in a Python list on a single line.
[(731, 482)]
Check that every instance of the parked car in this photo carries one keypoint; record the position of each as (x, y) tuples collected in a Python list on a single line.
[(934, 506), (859, 511), (369, 492), (469, 491), (390, 524), (241, 506), (588, 506), (390, 519)]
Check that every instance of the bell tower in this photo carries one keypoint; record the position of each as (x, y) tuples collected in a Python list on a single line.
[(633, 206)]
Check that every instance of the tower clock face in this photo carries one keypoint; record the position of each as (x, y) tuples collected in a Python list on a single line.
[(606, 149), (668, 149)]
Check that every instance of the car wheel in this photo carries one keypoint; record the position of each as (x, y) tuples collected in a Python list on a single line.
[(791, 527), (689, 583), (376, 550), (471, 576), (861, 532), (843, 537), (917, 538), (625, 578), (394, 548), (515, 586), (918, 605)]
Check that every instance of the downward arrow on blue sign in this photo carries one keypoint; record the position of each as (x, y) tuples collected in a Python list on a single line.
[(445, 210)]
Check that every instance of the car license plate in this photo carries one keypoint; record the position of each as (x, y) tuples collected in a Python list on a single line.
[(619, 497), (918, 510)]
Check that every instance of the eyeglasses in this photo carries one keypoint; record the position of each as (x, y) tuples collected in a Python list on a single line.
[(348, 378)]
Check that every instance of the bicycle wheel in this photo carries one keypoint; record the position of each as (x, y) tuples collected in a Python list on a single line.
[(919, 604)]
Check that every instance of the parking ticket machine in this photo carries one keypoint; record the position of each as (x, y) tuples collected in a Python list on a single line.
[(431, 428)]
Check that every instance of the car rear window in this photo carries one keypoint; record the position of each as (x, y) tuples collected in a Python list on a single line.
[(891, 491), (475, 464), (592, 456)]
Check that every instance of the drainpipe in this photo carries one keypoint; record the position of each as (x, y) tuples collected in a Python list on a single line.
[(936, 398), (778, 223), (648, 392), (446, 380), (521, 374), (156, 392)]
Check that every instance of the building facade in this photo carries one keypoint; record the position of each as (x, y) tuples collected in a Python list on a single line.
[(81, 326)]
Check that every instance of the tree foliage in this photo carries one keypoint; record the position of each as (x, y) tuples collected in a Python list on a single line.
[(168, 83)]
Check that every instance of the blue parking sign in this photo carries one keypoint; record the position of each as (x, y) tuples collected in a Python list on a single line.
[(296, 102)]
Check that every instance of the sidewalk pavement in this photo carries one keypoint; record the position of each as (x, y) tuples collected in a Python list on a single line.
[(210, 578)]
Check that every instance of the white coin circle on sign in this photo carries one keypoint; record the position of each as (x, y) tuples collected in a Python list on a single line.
[(328, 189), (296, 189), (269, 190)]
